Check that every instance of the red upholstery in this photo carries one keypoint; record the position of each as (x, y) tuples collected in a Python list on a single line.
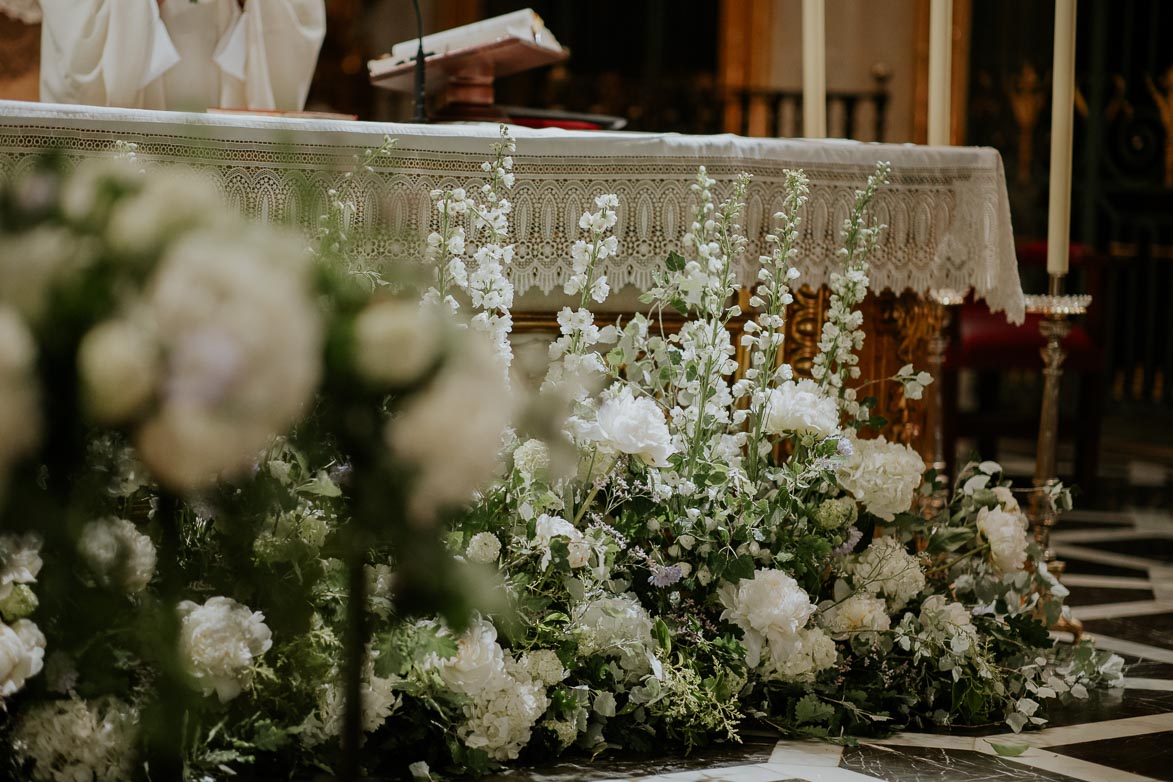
[(988, 341)]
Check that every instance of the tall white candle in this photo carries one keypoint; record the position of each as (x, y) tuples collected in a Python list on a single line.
[(940, 70), (814, 69), (1062, 111)]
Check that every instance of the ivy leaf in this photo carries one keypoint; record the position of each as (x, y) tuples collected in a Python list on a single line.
[(675, 262)]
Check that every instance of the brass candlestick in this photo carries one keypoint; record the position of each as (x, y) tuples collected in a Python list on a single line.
[(1056, 309), (944, 301)]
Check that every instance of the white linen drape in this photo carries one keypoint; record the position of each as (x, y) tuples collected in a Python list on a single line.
[(181, 55)]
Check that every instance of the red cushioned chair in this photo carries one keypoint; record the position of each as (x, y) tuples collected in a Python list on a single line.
[(987, 344)]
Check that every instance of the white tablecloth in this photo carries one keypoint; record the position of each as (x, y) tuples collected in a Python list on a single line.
[(946, 207)]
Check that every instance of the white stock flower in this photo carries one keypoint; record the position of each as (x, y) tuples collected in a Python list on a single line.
[(1006, 534), (220, 642), (20, 561), (78, 741), (801, 407), (20, 417), (240, 330), (22, 655), (616, 626), (885, 567), (858, 615), (770, 609), (882, 475), (119, 367), (451, 432), (485, 548), (118, 553), (635, 426), (395, 341)]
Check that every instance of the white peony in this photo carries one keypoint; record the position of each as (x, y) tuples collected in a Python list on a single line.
[(616, 626), (220, 642), (882, 475), (859, 615), (22, 655), (478, 663), (20, 561), (635, 426), (118, 553), (810, 652), (20, 417), (886, 568), (395, 342), (1006, 532), (78, 741), (118, 364), (451, 432), (239, 328), (770, 609), (801, 407), (485, 548)]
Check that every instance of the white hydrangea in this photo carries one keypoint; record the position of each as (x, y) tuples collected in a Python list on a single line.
[(500, 719), (235, 317), (886, 568), (78, 741), (544, 666), (531, 459), (616, 626), (860, 615), (33, 262), (1006, 532), (485, 548), (118, 553), (451, 437), (22, 655), (19, 415), (770, 609), (801, 407), (220, 643), (395, 341), (882, 475), (20, 561), (801, 660), (549, 527), (635, 426)]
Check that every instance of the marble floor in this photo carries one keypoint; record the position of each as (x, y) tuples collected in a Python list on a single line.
[(1120, 572)]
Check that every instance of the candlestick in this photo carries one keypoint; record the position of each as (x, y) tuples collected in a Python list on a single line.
[(940, 70), (814, 69), (1062, 111)]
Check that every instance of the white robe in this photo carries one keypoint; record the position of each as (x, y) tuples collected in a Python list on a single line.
[(184, 55)]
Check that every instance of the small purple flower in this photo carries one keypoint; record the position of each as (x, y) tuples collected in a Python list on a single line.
[(844, 447), (665, 576), (848, 545)]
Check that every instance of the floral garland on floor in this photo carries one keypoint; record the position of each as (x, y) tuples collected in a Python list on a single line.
[(681, 548)]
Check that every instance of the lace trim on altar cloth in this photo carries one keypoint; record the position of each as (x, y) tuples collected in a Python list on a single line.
[(27, 11), (948, 217)]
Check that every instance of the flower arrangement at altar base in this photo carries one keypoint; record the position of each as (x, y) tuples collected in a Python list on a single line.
[(251, 495)]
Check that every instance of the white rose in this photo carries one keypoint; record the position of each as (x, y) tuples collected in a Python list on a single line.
[(22, 655), (220, 642), (119, 367), (882, 475), (118, 553), (857, 615), (479, 661), (801, 407), (1006, 534), (395, 342), (635, 426)]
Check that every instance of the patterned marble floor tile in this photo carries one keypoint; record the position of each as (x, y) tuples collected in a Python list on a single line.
[(933, 764), (1150, 754)]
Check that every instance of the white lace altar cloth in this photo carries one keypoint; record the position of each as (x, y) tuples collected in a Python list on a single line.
[(946, 208)]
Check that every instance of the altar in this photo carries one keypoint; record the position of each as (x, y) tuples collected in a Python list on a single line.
[(946, 208)]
